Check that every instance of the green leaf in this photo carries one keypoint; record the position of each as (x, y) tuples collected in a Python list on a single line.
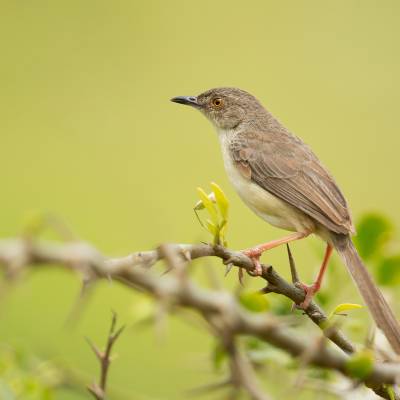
[(373, 231), (200, 205), (390, 392), (209, 205), (222, 232), (211, 228), (361, 364), (388, 271), (254, 301), (344, 307), (221, 200), (339, 309), (216, 205)]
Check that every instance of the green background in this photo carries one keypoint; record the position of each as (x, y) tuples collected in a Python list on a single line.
[(87, 132)]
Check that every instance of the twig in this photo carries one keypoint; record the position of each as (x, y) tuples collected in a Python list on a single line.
[(215, 305), (104, 357), (243, 374)]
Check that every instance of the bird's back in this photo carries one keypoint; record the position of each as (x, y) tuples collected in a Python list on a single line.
[(283, 165)]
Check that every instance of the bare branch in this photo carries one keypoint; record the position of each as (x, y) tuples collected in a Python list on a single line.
[(104, 357), (243, 374), (215, 306)]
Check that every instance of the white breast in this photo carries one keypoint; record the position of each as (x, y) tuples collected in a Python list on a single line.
[(273, 210)]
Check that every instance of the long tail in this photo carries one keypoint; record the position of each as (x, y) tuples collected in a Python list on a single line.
[(380, 310)]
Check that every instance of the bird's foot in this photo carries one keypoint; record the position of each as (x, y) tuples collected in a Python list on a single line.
[(254, 254), (309, 291)]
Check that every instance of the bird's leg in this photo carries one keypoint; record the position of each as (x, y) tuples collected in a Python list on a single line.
[(255, 252), (310, 290)]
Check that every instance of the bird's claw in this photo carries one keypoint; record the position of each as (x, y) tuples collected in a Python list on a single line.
[(309, 291), (254, 252), (255, 255)]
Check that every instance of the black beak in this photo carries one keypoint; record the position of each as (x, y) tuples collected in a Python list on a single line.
[(188, 100)]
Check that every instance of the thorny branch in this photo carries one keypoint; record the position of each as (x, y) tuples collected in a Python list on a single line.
[(132, 270), (104, 358)]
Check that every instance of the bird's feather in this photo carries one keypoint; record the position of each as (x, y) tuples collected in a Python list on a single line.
[(380, 310), (287, 168)]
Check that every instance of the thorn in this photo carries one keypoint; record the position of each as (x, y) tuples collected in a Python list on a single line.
[(265, 290), (241, 276), (186, 254), (293, 270), (95, 350), (173, 259), (118, 333), (60, 227), (166, 271), (113, 321), (96, 390), (80, 302), (228, 269)]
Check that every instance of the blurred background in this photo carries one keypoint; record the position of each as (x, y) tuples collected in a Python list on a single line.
[(87, 132)]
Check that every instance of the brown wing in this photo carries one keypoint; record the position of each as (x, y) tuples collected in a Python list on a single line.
[(287, 168)]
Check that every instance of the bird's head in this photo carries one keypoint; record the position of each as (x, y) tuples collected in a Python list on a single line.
[(226, 108)]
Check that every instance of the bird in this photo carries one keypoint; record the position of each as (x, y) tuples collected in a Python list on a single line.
[(282, 181)]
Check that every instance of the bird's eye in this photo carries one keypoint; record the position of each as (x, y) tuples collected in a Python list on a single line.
[(217, 102)]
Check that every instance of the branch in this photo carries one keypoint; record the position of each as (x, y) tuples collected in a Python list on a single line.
[(132, 270), (104, 357), (242, 373)]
